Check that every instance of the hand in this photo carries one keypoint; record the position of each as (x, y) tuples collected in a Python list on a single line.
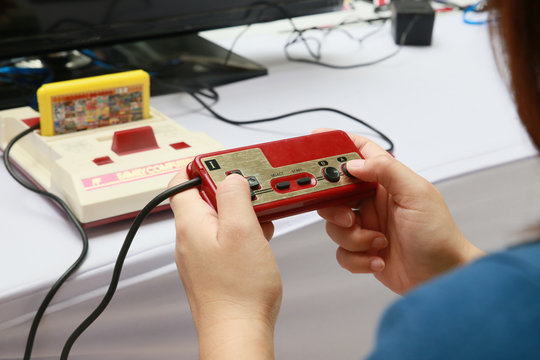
[(228, 270), (405, 235)]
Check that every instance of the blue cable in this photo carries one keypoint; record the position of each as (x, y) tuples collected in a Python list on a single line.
[(96, 60), (13, 70), (472, 8), (6, 73)]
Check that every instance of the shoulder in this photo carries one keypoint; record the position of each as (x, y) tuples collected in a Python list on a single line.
[(487, 310)]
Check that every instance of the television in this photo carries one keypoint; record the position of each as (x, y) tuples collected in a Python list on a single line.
[(66, 39)]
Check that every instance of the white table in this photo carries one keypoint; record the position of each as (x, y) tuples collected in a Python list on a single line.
[(444, 106)]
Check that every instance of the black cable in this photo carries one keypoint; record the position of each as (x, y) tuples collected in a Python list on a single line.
[(121, 257), (286, 15), (265, 6), (326, 31), (278, 117), (339, 67), (51, 293), (208, 92), (299, 37), (235, 40), (317, 61)]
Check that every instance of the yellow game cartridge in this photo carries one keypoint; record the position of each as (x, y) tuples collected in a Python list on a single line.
[(92, 102)]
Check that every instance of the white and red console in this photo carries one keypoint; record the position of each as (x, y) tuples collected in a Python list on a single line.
[(108, 173)]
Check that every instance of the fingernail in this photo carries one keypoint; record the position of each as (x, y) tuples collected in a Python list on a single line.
[(379, 243), (343, 219), (355, 164), (377, 265)]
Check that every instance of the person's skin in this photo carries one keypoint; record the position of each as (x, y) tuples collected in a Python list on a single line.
[(228, 270), (405, 235)]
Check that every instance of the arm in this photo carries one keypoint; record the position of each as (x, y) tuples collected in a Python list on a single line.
[(229, 273), (405, 235)]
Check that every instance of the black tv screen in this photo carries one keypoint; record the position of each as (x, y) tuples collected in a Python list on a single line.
[(64, 37), (30, 27)]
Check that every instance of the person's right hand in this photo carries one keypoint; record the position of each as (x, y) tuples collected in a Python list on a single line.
[(404, 235)]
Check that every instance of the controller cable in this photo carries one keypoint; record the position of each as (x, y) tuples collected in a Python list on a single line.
[(293, 113), (279, 117), (72, 218), (119, 261), (122, 256)]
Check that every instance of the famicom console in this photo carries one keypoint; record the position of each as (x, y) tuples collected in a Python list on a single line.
[(289, 176), (105, 152)]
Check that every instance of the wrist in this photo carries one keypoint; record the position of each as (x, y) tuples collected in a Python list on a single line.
[(235, 330), (471, 253), (236, 338)]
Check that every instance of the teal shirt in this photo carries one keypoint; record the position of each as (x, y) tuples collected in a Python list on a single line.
[(487, 310)]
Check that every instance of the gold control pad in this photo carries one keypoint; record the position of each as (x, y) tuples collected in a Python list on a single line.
[(269, 183)]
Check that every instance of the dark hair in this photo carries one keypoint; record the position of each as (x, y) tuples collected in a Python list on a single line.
[(515, 29)]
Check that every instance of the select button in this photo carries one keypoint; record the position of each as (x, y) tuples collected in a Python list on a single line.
[(284, 185)]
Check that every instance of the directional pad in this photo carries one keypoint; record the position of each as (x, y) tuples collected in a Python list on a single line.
[(234, 172), (253, 183)]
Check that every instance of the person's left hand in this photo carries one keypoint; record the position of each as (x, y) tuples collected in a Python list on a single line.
[(228, 270)]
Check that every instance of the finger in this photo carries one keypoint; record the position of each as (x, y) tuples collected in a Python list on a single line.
[(338, 215), (193, 216), (236, 214), (370, 217), (394, 176), (356, 238), (345, 215), (359, 263), (180, 177), (380, 166), (183, 201), (366, 147)]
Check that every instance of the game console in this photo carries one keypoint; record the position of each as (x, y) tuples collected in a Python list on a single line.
[(288, 176), (108, 173)]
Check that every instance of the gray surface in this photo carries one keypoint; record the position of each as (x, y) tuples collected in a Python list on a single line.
[(495, 207)]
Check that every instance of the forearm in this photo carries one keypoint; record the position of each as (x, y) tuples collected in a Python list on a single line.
[(236, 340)]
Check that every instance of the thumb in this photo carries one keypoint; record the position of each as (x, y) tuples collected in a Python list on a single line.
[(391, 174), (234, 206)]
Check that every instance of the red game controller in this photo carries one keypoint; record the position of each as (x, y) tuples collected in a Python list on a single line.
[(288, 176)]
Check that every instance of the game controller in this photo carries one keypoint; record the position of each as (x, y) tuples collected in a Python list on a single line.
[(287, 177)]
